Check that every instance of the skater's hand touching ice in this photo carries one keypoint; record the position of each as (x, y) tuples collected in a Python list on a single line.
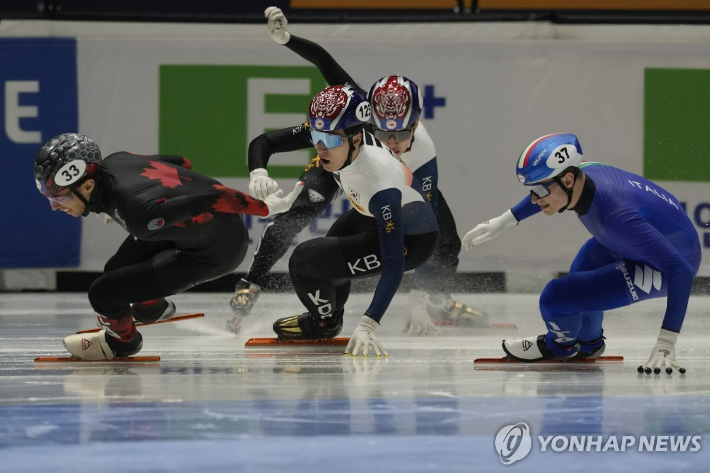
[(663, 354), (418, 321), (364, 337)]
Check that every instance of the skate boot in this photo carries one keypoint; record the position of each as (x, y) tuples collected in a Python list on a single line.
[(119, 338), (593, 349), (443, 310), (245, 296), (532, 349), (309, 327), (152, 311)]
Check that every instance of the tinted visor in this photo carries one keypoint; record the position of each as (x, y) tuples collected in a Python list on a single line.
[(401, 135), (540, 190), (329, 140)]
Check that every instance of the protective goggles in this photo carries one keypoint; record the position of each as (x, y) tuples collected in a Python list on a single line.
[(540, 190), (401, 135), (60, 199), (329, 140)]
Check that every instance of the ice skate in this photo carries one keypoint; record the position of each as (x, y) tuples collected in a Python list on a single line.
[(443, 310), (534, 349), (245, 296), (150, 312), (118, 339), (89, 346), (309, 327)]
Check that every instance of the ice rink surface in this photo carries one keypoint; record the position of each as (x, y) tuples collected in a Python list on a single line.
[(212, 405)]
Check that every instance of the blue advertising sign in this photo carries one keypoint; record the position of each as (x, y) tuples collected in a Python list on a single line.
[(38, 100)]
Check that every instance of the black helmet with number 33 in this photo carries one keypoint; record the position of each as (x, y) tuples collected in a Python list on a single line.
[(66, 161)]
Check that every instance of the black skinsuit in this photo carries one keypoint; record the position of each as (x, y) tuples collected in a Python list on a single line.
[(184, 228), (319, 190), (436, 276)]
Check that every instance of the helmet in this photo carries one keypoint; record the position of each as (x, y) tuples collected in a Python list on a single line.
[(547, 157), (339, 107), (66, 161), (396, 103)]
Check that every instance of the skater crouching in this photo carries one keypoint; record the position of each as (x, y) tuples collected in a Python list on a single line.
[(184, 229)]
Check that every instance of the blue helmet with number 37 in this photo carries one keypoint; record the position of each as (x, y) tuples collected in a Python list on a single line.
[(547, 157), (66, 161)]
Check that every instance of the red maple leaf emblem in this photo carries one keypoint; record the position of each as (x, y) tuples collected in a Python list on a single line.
[(235, 202), (167, 175)]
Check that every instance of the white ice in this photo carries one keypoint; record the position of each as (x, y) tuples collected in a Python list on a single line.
[(213, 405)]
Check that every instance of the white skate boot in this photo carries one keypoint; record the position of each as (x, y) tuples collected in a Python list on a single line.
[(89, 346), (532, 349)]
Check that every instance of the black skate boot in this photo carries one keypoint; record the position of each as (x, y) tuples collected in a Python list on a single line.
[(309, 327), (121, 335), (152, 311)]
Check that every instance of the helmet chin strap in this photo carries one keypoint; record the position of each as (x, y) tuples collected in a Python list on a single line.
[(411, 143), (568, 191), (351, 150), (87, 203)]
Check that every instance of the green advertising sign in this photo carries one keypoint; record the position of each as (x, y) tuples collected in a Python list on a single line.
[(209, 114), (677, 124)]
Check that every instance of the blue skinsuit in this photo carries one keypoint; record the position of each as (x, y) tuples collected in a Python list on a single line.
[(643, 246)]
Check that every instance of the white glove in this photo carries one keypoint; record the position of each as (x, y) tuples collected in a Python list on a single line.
[(419, 322), (364, 337), (261, 185), (107, 219), (277, 25), (663, 354), (278, 204), (488, 230)]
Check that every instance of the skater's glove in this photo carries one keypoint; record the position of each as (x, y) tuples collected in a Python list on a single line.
[(278, 204), (107, 220), (418, 322), (364, 337), (663, 354), (261, 185), (277, 25), (488, 230)]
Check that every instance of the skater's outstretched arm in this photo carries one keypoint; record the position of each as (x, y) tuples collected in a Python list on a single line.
[(263, 147), (386, 207), (329, 68), (212, 198)]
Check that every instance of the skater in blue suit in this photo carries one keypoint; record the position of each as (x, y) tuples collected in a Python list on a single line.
[(643, 246)]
